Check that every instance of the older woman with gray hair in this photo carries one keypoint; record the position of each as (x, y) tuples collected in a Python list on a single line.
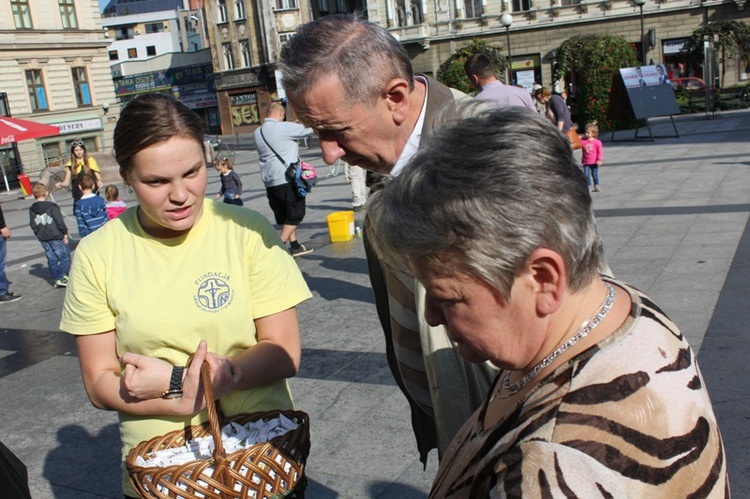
[(599, 394)]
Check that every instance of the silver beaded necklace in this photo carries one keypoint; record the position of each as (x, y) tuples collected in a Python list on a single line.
[(587, 327)]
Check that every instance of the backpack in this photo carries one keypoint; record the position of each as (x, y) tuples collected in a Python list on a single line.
[(303, 176)]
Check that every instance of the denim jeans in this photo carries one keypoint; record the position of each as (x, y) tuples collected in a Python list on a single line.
[(3, 277), (58, 258), (591, 171)]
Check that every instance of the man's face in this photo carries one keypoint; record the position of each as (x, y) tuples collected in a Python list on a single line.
[(365, 135)]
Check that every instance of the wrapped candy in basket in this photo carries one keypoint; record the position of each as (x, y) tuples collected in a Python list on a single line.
[(255, 456)]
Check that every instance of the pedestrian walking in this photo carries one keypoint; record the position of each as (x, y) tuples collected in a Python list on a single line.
[(231, 184), (90, 210), (357, 178), (115, 206), (6, 296), (592, 156), (49, 227), (277, 148), (493, 92), (80, 164)]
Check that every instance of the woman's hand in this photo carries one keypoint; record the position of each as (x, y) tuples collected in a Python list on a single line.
[(192, 386), (145, 377), (225, 374)]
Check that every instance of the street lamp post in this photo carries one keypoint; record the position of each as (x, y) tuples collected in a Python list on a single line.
[(640, 4), (506, 20)]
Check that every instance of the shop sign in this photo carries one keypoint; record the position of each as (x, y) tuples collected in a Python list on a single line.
[(80, 126), (673, 46), (158, 80), (244, 109), (196, 95)]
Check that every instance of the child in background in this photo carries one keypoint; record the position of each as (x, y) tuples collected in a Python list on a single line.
[(231, 185), (47, 222), (90, 210), (115, 206), (593, 155)]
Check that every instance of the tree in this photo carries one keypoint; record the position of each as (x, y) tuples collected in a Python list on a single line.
[(733, 37), (451, 72), (590, 61)]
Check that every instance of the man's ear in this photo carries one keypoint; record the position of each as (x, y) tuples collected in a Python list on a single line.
[(397, 94), (547, 270)]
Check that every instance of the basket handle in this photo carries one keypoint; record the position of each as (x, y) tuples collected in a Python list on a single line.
[(213, 417)]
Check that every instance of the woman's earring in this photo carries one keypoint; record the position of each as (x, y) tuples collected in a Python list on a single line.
[(130, 190)]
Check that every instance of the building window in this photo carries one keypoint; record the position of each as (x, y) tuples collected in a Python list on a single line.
[(521, 5), (125, 33), (37, 94), (285, 37), (285, 4), (743, 65), (81, 87), (472, 8), (113, 55), (228, 56), (132, 53), (68, 14), (245, 49), (570, 2), (239, 9), (222, 4), (154, 28), (323, 6), (21, 14), (341, 6), (151, 50)]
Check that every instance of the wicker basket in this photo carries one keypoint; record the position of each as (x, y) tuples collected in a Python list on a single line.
[(265, 470)]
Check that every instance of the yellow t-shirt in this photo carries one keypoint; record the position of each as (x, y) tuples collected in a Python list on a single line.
[(92, 164), (163, 296)]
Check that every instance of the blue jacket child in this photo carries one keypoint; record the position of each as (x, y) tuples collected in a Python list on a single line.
[(90, 210)]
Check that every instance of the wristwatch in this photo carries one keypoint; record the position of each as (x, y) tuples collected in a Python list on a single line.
[(175, 384)]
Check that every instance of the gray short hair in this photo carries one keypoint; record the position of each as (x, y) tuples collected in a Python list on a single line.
[(362, 54), (482, 195)]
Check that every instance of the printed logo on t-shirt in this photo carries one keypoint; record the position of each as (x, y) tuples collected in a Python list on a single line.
[(214, 293)]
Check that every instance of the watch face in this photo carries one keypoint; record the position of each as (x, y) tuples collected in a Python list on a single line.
[(172, 394)]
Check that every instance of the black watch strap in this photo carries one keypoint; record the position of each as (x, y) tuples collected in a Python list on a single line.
[(175, 383)]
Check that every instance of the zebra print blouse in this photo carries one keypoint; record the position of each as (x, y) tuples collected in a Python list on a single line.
[(628, 418)]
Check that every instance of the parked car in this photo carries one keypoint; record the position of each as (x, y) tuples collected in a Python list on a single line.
[(688, 83)]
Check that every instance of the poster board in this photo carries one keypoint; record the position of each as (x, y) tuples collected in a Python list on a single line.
[(642, 92)]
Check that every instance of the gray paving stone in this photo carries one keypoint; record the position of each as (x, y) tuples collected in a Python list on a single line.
[(673, 215)]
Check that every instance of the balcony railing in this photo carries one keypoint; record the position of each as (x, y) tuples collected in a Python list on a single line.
[(413, 33)]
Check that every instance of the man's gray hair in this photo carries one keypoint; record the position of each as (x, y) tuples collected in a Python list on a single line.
[(482, 196), (363, 55)]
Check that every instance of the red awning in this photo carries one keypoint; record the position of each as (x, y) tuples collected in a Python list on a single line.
[(16, 130)]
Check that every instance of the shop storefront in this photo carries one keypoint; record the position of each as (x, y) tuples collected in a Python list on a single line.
[(192, 85), (675, 58), (526, 70)]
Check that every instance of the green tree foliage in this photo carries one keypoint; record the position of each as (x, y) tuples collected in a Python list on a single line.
[(451, 71), (733, 38), (590, 61)]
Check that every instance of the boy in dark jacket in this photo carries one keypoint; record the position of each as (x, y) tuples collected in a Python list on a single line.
[(90, 210), (47, 223)]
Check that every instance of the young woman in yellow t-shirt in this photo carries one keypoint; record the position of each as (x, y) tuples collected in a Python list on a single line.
[(79, 164), (178, 280)]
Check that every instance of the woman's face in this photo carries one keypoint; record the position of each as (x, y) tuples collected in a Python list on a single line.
[(169, 180), (78, 152), (476, 317)]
